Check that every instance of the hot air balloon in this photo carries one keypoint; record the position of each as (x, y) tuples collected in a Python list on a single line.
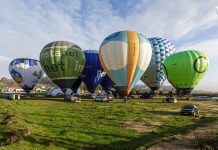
[(93, 72), (161, 49), (184, 70), (63, 62), (125, 56), (107, 83), (26, 72)]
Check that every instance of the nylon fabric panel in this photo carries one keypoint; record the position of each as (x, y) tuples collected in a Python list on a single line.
[(117, 36), (144, 56), (119, 76), (136, 77), (105, 68), (114, 55), (107, 83), (133, 54)]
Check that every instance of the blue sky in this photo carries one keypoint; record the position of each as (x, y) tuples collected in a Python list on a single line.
[(27, 26)]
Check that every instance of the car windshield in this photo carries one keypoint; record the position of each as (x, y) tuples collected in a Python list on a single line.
[(188, 107)]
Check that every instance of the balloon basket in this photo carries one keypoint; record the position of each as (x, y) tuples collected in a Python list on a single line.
[(126, 99)]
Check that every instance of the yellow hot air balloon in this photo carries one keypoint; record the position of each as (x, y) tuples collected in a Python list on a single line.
[(125, 56)]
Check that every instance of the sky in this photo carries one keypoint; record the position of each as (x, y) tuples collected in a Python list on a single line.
[(26, 26)]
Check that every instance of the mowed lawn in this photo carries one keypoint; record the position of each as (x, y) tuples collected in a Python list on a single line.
[(55, 124)]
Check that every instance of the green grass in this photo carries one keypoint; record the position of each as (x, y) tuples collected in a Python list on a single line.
[(55, 124)]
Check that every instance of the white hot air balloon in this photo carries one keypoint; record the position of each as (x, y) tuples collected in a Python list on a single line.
[(26, 72)]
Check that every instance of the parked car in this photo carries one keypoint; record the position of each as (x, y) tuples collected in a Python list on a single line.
[(202, 98), (214, 98), (190, 109)]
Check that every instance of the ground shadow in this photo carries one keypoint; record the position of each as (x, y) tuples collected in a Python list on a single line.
[(55, 99), (158, 112), (144, 141), (150, 138)]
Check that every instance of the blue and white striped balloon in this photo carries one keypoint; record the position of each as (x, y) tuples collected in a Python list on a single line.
[(161, 49), (26, 72)]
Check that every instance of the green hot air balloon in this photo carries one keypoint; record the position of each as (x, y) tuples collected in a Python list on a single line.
[(63, 62), (184, 70)]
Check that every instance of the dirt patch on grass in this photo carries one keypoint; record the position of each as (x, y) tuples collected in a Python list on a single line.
[(154, 123), (139, 127), (189, 141), (15, 136), (6, 118), (11, 134)]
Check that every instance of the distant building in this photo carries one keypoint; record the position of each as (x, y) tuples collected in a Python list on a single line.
[(13, 89)]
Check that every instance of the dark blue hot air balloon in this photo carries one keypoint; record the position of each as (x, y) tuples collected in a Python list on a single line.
[(107, 83), (93, 72)]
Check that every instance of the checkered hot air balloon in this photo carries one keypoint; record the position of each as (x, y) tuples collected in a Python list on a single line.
[(161, 49)]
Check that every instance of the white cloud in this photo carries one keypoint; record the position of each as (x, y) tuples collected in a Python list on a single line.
[(4, 59), (27, 26), (4, 63), (209, 47)]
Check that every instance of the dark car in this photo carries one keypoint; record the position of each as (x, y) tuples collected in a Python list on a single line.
[(189, 110)]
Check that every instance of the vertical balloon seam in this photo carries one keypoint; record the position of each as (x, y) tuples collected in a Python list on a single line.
[(195, 55), (133, 50), (138, 73)]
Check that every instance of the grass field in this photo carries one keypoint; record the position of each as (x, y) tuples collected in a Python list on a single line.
[(54, 124)]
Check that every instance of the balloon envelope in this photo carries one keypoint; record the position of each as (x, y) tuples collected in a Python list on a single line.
[(184, 70), (161, 49), (125, 56), (107, 83), (93, 72), (26, 72), (63, 62)]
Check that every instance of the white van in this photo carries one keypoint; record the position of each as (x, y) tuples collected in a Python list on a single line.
[(214, 98), (205, 98)]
